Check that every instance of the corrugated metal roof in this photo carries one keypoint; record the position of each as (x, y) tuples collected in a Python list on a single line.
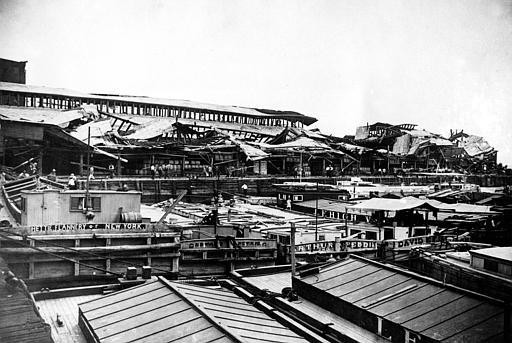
[(301, 143), (476, 145), (53, 120), (99, 129), (383, 204), (423, 307), (152, 129), (406, 203), (467, 208), (325, 205), (163, 311), (39, 115), (262, 113)]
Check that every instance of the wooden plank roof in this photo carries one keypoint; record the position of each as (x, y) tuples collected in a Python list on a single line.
[(180, 312), (428, 308), (67, 310)]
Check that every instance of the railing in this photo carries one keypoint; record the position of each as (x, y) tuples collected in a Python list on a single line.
[(11, 206), (52, 183)]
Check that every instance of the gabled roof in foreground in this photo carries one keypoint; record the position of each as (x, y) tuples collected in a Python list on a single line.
[(175, 312), (413, 302)]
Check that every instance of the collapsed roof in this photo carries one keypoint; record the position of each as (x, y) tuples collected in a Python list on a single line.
[(87, 124)]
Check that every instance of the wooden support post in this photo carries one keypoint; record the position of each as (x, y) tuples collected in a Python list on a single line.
[(175, 264), (81, 165), (118, 165), (40, 163), (31, 269), (31, 266), (337, 244), (292, 248), (77, 269)]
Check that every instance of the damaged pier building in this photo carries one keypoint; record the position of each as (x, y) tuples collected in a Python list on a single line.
[(144, 136)]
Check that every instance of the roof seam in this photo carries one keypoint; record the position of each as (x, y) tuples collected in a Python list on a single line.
[(476, 324), (368, 284), (245, 321), (209, 317), (433, 309), (459, 314), (151, 321), (166, 328), (119, 293), (193, 333), (380, 290), (249, 309), (344, 283), (414, 303), (138, 314), (332, 277), (407, 279)]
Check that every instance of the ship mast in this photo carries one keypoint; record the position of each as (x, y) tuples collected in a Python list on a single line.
[(87, 195)]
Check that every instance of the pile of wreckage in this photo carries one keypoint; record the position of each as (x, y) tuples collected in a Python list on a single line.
[(138, 144), (406, 148)]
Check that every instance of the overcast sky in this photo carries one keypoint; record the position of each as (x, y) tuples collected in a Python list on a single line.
[(439, 64)]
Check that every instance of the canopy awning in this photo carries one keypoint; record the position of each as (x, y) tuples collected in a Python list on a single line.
[(407, 203)]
